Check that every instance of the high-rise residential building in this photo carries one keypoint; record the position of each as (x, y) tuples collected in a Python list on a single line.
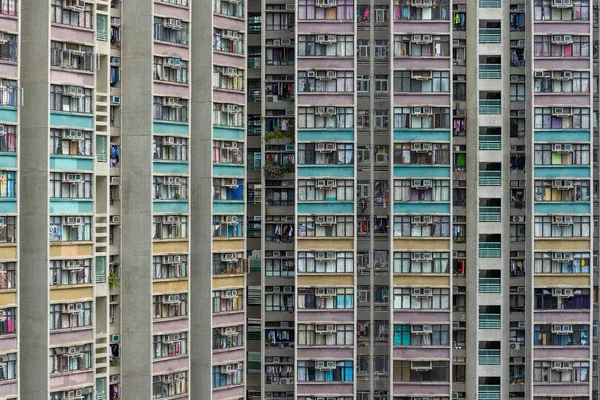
[(299, 199)]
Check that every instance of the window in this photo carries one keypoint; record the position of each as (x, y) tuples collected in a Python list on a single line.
[(227, 226), (579, 11), (60, 15), (228, 337), (278, 55), (517, 92), (169, 305), (171, 70), (381, 49), (8, 230), (344, 10), (363, 48), (69, 359), (329, 46), (411, 46), (412, 335), (407, 117), (231, 115), (331, 371), (325, 262), (228, 41), (561, 118), (8, 321), (227, 78), (279, 299), (70, 229), (548, 372), (172, 109), (227, 300), (226, 152), (170, 226), (545, 226), (172, 30), (169, 345), (421, 81), (417, 190), (421, 226), (228, 8), (228, 263), (382, 14), (275, 266), (318, 226), (558, 299), (70, 99), (71, 56), (87, 393), (558, 190), (331, 154), (70, 185), (555, 82), (325, 298), (438, 10), (382, 119), (279, 197), (62, 141), (576, 263), (413, 153), (169, 385), (415, 263), (421, 371), (8, 370), (561, 46), (343, 81), (362, 85), (561, 335), (422, 298), (170, 188), (70, 272), (561, 154), (517, 232), (169, 267), (70, 315), (325, 190), (325, 335), (279, 21), (228, 375), (170, 148)]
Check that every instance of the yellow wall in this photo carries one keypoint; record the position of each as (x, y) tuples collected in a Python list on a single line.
[(175, 246), (426, 280), (68, 293), (326, 280), (561, 280), (561, 244), (8, 251), (429, 244), (71, 249), (222, 282), (325, 244), (175, 286), (228, 245), (8, 298)]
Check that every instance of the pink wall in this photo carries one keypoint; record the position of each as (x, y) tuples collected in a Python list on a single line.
[(420, 317), (421, 62), (329, 26), (73, 336), (316, 388), (325, 62), (234, 318), (326, 99), (561, 63), (414, 389), (8, 343), (228, 96), (8, 388), (567, 99), (429, 99), (325, 352), (171, 10), (570, 353), (223, 22), (66, 77), (170, 365), (169, 325), (224, 356), (229, 60), (171, 50), (432, 27), (72, 34), (9, 24), (173, 90), (558, 389), (65, 381), (327, 316), (229, 393), (566, 317), (422, 352), (9, 69), (563, 26)]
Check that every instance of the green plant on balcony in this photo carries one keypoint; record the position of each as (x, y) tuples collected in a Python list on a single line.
[(114, 362), (113, 280), (520, 203), (459, 239), (286, 136), (273, 170)]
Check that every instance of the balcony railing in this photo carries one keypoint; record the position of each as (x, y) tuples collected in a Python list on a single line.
[(490, 35), (490, 107), (489, 214), (489, 321), (490, 71), (254, 95), (489, 285), (490, 250), (489, 357), (489, 392), (490, 3), (490, 178), (490, 142), (253, 62)]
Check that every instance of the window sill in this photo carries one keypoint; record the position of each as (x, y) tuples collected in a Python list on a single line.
[(234, 312), (68, 330), (71, 286), (177, 357), (170, 319), (227, 387), (180, 45), (167, 240), (232, 17), (4, 291), (183, 279), (70, 243), (8, 382), (226, 53), (70, 373), (220, 89), (425, 310), (218, 351), (70, 156), (181, 84), (78, 71), (228, 238), (74, 27)]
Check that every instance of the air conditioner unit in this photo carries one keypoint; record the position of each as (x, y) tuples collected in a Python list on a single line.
[(421, 219), (114, 379), (327, 329), (76, 5), (421, 256), (115, 99), (72, 177), (421, 292), (276, 42), (420, 365), (115, 219), (68, 134), (522, 324), (561, 111), (115, 180), (170, 220), (421, 184), (325, 256), (171, 299), (290, 7), (231, 219), (325, 220), (562, 39), (73, 91), (229, 331), (323, 292), (421, 329), (562, 75), (538, 74), (229, 257), (421, 75), (325, 183), (168, 141), (288, 289), (326, 3), (171, 102), (72, 221), (518, 218), (561, 4), (227, 369), (325, 111), (286, 42), (229, 182)]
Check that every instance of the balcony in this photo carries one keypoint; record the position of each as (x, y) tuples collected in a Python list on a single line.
[(490, 178), (254, 62), (490, 142), (489, 392), (490, 250), (254, 95), (490, 71), (489, 357), (490, 321), (490, 107), (489, 214), (489, 285), (490, 3), (490, 35)]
